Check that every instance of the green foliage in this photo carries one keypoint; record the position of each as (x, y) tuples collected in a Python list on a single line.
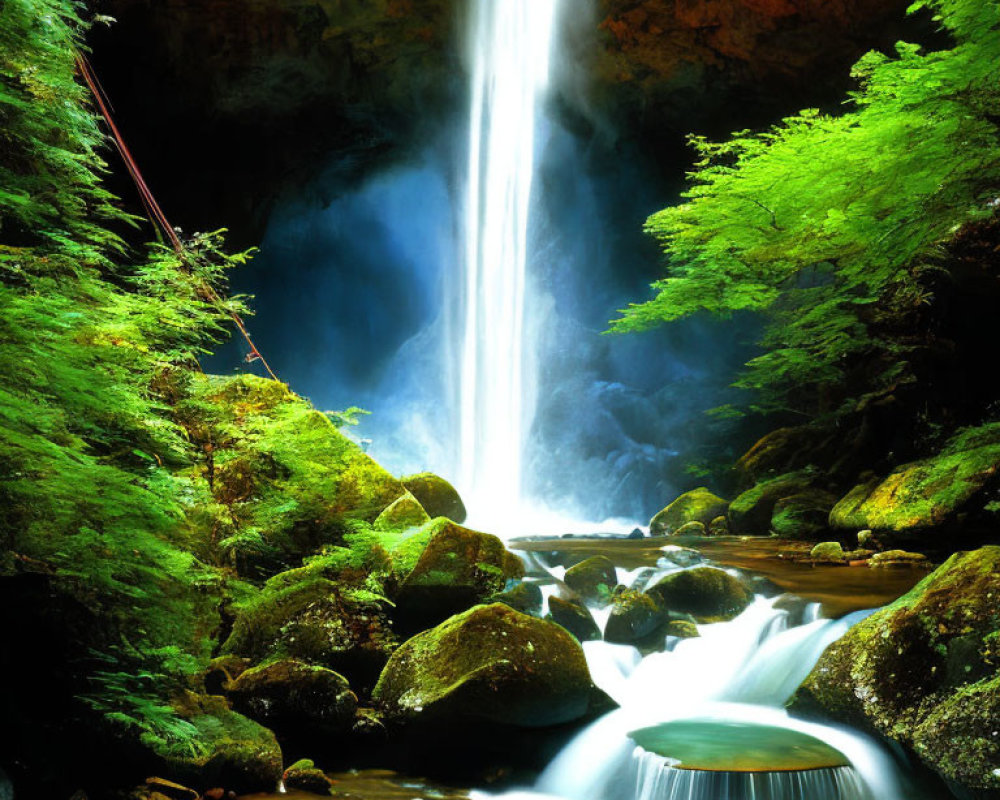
[(828, 225)]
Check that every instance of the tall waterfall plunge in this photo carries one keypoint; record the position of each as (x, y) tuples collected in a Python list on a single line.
[(510, 43)]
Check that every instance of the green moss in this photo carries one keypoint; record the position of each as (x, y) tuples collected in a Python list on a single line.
[(751, 512), (925, 493), (403, 513), (698, 505), (435, 494), (490, 664), (707, 593), (594, 579), (634, 616)]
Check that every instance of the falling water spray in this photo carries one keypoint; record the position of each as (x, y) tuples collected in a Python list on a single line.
[(510, 44)]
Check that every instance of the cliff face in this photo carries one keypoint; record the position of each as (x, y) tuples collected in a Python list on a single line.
[(231, 98)]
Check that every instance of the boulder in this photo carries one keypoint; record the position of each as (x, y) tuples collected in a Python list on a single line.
[(316, 621), (458, 568), (828, 551), (593, 579), (404, 512), (634, 617), (523, 597), (750, 513), (574, 617), (230, 750), (289, 696), (490, 665), (692, 528), (707, 593), (775, 453), (698, 505), (927, 493), (718, 527), (925, 672), (438, 497), (303, 776), (804, 515)]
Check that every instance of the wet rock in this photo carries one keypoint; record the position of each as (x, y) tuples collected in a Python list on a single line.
[(288, 695), (458, 569), (828, 551), (804, 515), (522, 596), (682, 629), (928, 493), (925, 672), (636, 533), (303, 776), (574, 617), (707, 593), (681, 556), (898, 558), (593, 579), (866, 539), (316, 621), (232, 751), (693, 528), (718, 527), (404, 512), (438, 497), (698, 505), (492, 665), (750, 513), (634, 617)]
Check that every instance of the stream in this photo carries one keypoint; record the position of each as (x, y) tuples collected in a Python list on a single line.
[(713, 704)]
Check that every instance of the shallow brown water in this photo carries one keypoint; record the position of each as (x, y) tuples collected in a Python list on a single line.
[(840, 589), (374, 784)]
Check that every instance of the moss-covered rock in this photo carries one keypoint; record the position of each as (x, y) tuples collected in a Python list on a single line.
[(303, 776), (281, 479), (574, 617), (436, 495), (698, 505), (225, 749), (593, 579), (750, 513), (290, 696), (523, 597), (634, 617), (804, 515), (898, 558), (718, 527), (692, 528), (707, 593), (828, 551), (319, 622), (682, 629), (404, 512), (457, 569), (927, 493), (925, 671), (492, 665)]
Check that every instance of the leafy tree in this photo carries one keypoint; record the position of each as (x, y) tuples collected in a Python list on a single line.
[(828, 224)]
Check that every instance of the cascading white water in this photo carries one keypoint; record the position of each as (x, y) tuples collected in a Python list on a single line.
[(737, 673), (510, 51)]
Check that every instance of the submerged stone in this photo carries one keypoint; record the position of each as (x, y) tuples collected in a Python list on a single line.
[(707, 593), (698, 505), (490, 664), (438, 497), (593, 579), (725, 746)]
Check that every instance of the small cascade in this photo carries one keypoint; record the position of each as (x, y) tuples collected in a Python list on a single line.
[(656, 779)]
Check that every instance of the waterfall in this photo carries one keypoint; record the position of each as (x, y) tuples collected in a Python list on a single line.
[(510, 42)]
